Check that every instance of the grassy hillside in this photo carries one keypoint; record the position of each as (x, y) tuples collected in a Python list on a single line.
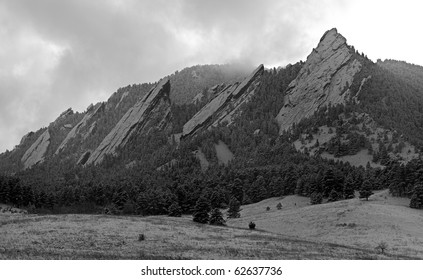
[(348, 229), (354, 222)]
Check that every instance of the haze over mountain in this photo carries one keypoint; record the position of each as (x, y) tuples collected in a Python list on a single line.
[(73, 53)]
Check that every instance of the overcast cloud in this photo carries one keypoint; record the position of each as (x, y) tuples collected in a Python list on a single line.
[(60, 54)]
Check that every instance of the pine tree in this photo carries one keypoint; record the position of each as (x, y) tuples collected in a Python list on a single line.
[(316, 198), (329, 182), (234, 208), (237, 190), (333, 196), (174, 210), (349, 188), (201, 210), (279, 206), (417, 197), (366, 189), (216, 218)]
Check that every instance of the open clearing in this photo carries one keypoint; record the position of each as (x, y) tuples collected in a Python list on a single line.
[(298, 231), (354, 222)]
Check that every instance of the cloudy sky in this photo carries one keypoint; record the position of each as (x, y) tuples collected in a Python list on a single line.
[(70, 53)]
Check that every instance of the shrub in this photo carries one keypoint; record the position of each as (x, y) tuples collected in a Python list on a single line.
[(252, 225), (267, 208), (382, 246), (141, 237)]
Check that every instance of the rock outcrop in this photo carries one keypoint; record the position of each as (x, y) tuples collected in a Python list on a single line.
[(152, 111), (35, 153), (324, 79), (25, 137), (225, 105), (91, 112)]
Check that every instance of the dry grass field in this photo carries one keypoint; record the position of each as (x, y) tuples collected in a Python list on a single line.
[(298, 231), (354, 222)]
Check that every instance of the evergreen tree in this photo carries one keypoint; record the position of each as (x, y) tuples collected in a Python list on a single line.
[(316, 198), (201, 210), (349, 188), (279, 206), (237, 190), (216, 218), (174, 210), (417, 197), (333, 196), (366, 189), (329, 182), (234, 208)]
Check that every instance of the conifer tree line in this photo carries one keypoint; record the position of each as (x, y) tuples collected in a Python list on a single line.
[(183, 190)]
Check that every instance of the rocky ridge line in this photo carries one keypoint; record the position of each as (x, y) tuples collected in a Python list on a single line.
[(225, 105), (324, 79), (35, 153), (155, 104)]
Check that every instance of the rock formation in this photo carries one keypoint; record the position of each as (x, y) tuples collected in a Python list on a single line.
[(91, 112), (225, 105), (324, 79), (151, 109), (35, 153)]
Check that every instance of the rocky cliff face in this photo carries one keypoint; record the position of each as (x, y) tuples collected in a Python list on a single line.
[(153, 107), (35, 153), (225, 106), (324, 79), (91, 112)]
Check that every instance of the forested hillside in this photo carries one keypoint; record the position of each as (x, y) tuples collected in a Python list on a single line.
[(156, 171)]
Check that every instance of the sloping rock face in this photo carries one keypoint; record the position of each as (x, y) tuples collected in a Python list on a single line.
[(91, 112), (152, 111), (225, 106), (35, 153), (324, 79)]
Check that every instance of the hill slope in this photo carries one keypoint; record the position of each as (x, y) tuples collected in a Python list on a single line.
[(354, 222)]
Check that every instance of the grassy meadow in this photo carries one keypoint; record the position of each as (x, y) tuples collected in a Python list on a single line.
[(297, 231)]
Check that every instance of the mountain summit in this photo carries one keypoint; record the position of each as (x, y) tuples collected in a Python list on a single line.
[(324, 79)]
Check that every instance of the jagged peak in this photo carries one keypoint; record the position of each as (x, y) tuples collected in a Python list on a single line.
[(324, 79)]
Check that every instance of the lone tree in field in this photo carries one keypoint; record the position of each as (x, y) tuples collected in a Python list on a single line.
[(366, 189), (279, 206), (201, 210), (417, 197), (382, 246), (234, 208), (174, 210), (216, 218)]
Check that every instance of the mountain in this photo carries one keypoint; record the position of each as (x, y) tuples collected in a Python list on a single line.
[(226, 104), (321, 128), (324, 79), (153, 110)]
